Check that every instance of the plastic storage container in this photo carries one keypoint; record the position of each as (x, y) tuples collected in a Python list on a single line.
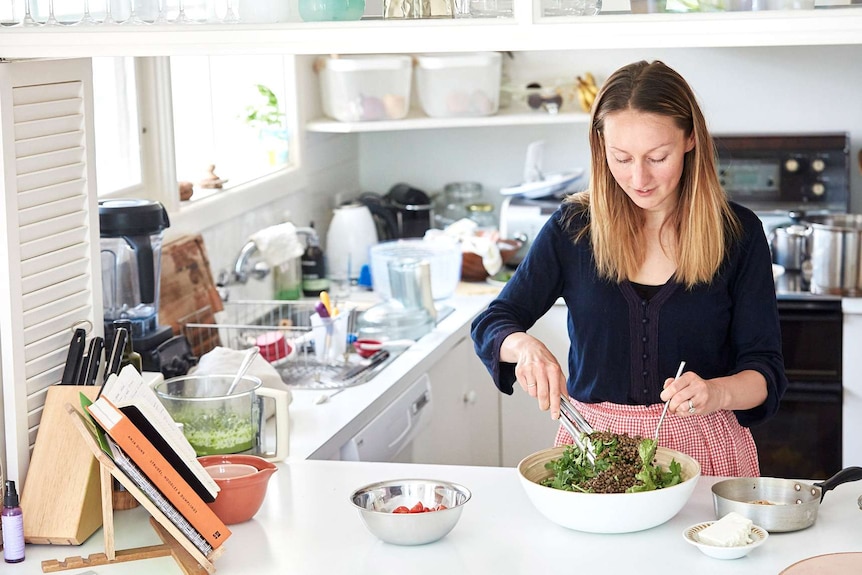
[(366, 88), (459, 84)]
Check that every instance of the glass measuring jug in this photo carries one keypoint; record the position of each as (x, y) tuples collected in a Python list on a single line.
[(216, 422)]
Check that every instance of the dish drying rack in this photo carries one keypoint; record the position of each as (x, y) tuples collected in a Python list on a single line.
[(242, 322)]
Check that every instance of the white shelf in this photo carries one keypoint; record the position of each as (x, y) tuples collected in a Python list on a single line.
[(834, 26), (415, 120)]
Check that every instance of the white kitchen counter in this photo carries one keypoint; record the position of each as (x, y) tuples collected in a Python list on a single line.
[(307, 526), (317, 431)]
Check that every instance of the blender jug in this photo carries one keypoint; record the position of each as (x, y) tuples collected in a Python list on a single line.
[(131, 242)]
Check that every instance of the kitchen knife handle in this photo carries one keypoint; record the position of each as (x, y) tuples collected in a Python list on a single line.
[(94, 359), (117, 346), (74, 358)]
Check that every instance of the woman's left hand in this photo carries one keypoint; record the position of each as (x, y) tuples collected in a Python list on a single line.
[(692, 395)]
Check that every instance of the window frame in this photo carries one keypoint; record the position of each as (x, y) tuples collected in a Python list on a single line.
[(158, 164)]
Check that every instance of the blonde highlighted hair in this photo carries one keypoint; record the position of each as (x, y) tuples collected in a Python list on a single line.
[(703, 220)]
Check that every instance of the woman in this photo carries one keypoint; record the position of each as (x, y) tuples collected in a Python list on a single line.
[(656, 267)]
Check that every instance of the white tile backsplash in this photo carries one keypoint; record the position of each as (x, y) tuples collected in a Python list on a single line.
[(331, 164)]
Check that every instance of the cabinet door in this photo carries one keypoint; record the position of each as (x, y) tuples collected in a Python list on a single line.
[(465, 423), (49, 280), (526, 429), (852, 374)]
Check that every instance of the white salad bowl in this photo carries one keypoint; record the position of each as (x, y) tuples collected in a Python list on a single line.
[(607, 512)]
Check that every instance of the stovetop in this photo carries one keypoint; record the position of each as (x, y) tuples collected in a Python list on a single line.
[(795, 285)]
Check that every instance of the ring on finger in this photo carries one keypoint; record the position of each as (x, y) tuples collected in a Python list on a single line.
[(531, 385), (691, 408)]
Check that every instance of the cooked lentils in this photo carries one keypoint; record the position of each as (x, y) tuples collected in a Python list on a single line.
[(621, 473)]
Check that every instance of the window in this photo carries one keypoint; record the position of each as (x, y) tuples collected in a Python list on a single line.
[(229, 112), (118, 146), (164, 120)]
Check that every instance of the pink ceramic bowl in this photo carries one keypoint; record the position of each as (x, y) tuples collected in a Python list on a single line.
[(242, 480)]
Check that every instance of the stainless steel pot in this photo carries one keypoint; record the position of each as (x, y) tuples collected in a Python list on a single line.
[(836, 254), (790, 246), (777, 505)]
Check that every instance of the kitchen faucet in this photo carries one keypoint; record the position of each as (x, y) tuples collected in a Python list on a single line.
[(259, 269)]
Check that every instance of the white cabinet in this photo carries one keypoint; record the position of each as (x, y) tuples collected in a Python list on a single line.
[(524, 428), (852, 381), (465, 422)]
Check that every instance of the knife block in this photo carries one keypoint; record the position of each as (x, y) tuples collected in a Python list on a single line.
[(61, 498)]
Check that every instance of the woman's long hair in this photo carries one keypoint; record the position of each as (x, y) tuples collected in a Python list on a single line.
[(703, 220)]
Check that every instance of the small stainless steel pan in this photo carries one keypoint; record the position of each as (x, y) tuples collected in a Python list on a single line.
[(777, 505)]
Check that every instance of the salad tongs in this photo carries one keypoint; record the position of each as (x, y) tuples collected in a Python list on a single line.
[(577, 427)]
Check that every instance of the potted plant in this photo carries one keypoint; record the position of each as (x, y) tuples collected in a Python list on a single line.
[(266, 117)]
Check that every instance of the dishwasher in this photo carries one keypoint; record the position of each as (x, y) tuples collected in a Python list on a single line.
[(392, 430)]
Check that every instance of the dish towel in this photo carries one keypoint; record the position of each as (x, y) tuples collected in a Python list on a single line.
[(278, 244), (484, 245)]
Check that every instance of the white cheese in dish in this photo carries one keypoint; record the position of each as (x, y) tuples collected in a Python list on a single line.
[(732, 530)]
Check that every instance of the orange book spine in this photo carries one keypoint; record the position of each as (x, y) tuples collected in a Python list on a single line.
[(163, 476)]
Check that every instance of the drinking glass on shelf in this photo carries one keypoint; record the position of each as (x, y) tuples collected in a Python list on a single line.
[(181, 17), (162, 16), (87, 19), (133, 19), (109, 18), (52, 20), (230, 17), (28, 19)]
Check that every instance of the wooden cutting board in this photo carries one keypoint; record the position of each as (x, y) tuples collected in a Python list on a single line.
[(829, 564), (187, 293)]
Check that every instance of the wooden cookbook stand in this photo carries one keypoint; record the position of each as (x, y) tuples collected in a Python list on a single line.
[(174, 543)]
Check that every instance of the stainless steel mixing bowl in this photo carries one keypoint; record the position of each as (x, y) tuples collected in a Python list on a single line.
[(376, 502)]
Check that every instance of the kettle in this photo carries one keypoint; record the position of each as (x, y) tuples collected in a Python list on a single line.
[(351, 234)]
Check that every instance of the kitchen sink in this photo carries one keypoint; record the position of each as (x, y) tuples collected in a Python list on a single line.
[(289, 340)]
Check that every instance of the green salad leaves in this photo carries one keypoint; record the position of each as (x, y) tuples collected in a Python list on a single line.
[(623, 464)]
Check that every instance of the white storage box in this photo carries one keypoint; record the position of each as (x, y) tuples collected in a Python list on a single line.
[(459, 84), (365, 88)]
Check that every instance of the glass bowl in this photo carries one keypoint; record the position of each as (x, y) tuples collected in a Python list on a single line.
[(443, 255)]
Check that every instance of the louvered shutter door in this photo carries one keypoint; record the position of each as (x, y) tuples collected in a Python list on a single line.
[(50, 246)]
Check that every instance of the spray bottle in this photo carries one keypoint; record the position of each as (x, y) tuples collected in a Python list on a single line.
[(13, 526)]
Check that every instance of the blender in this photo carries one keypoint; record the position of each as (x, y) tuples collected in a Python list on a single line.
[(131, 243)]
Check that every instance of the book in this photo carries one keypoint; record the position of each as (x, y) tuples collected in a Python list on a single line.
[(137, 400), (140, 480), (157, 469)]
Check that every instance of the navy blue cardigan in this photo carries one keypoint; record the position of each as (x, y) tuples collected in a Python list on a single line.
[(623, 347)]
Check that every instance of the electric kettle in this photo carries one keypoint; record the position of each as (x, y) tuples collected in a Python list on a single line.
[(351, 234), (131, 244)]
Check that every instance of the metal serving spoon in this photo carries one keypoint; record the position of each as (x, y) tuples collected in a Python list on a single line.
[(243, 367)]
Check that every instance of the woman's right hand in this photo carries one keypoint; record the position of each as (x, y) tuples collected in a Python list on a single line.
[(536, 369)]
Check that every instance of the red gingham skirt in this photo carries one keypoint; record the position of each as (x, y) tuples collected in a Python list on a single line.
[(717, 441)]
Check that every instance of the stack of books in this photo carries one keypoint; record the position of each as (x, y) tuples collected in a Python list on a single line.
[(146, 444)]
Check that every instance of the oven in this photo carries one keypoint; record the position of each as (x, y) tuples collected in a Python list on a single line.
[(782, 178), (804, 438)]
